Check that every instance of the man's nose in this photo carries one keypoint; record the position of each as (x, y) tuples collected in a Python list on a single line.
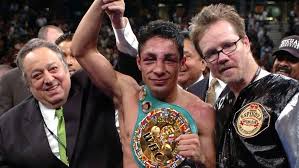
[(48, 78), (222, 58), (159, 68), (69, 61)]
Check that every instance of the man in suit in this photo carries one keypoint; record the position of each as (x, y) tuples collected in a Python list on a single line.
[(194, 66), (191, 77), (13, 89), (201, 88), (29, 133)]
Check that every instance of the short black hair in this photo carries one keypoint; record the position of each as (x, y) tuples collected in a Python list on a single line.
[(65, 37), (163, 29), (186, 34)]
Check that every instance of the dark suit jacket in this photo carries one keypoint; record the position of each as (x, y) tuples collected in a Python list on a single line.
[(126, 64), (200, 88), (13, 90), (92, 138)]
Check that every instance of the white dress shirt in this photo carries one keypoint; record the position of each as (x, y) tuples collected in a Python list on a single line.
[(51, 122), (126, 40)]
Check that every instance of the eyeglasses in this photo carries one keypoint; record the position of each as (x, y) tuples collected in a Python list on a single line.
[(227, 48)]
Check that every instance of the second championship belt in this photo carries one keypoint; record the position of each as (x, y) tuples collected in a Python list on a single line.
[(158, 125)]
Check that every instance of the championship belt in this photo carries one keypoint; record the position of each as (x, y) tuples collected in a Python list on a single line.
[(158, 125)]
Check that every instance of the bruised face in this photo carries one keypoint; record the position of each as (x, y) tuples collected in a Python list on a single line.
[(287, 65), (159, 64), (47, 77), (72, 63), (193, 67)]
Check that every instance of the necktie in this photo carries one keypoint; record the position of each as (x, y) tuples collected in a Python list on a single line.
[(61, 136), (211, 93)]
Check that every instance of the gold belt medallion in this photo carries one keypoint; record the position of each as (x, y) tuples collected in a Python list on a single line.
[(154, 139)]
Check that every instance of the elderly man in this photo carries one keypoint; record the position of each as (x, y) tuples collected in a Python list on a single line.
[(65, 120), (13, 89), (246, 116), (286, 61)]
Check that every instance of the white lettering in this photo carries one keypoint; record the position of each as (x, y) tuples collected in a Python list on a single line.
[(289, 43)]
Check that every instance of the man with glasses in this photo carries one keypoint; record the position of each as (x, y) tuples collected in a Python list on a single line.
[(246, 116), (286, 60)]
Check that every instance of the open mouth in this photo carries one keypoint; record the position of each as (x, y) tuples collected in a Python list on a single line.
[(283, 70)]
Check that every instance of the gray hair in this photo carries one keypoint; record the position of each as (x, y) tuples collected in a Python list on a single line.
[(36, 43)]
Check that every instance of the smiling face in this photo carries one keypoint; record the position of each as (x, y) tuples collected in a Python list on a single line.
[(159, 64), (193, 67), (287, 65), (72, 63), (231, 68), (47, 77)]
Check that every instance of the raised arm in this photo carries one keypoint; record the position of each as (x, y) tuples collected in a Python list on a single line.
[(84, 48), (126, 41)]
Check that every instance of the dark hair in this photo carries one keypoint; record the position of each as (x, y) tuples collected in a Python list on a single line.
[(163, 29), (34, 44), (65, 37), (186, 34)]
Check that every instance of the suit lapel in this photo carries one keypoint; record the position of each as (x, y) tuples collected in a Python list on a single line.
[(34, 131), (72, 112), (206, 87)]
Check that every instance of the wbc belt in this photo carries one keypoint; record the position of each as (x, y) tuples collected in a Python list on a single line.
[(158, 125)]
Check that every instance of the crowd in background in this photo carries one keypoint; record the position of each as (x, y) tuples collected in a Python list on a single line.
[(20, 21), (250, 88)]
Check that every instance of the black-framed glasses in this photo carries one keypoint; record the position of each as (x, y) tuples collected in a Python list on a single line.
[(227, 48)]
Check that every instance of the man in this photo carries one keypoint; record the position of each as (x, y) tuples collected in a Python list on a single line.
[(50, 33), (286, 60), (192, 71), (13, 89), (33, 136), (191, 76), (160, 58), (64, 42), (246, 116)]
